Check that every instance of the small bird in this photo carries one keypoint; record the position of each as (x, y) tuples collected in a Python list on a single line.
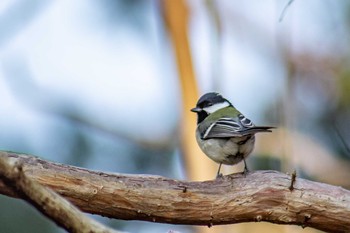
[(223, 133)]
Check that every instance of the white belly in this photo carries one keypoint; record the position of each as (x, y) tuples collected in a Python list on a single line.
[(227, 151)]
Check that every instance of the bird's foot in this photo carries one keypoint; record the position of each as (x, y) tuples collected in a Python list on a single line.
[(219, 176), (245, 172)]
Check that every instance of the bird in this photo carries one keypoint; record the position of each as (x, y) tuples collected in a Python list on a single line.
[(223, 133)]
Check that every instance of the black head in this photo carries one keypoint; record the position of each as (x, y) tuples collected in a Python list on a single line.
[(209, 103)]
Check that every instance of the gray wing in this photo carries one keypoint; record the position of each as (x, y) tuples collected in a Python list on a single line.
[(233, 127)]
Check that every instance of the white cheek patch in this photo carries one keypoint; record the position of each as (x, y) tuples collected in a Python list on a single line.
[(216, 107)]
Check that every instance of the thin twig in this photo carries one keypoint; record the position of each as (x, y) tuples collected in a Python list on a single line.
[(345, 144), (285, 10)]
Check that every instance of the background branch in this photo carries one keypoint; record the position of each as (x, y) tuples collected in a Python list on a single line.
[(260, 196)]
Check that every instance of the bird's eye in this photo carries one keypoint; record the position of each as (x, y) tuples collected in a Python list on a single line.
[(210, 104)]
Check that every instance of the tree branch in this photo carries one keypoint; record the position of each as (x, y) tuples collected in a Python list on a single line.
[(260, 196), (62, 212)]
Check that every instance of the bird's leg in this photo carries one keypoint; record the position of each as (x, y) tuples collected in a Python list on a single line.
[(245, 172), (219, 175)]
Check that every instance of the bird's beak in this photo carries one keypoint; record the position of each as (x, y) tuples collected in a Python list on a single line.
[(196, 109)]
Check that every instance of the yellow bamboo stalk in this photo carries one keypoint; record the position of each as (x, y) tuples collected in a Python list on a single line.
[(176, 17)]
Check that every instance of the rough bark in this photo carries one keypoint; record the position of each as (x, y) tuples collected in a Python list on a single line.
[(260, 196), (55, 207)]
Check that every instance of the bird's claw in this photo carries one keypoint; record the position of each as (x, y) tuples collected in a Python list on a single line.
[(219, 176), (245, 172)]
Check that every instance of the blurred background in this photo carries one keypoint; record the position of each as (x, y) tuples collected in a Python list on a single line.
[(108, 85)]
